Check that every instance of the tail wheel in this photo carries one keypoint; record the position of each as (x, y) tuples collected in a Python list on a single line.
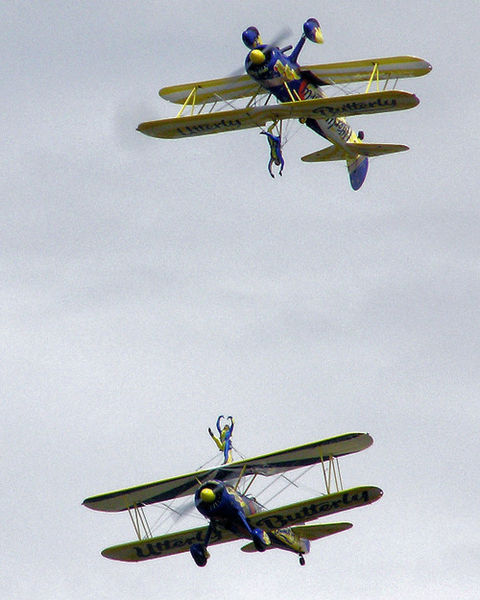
[(301, 559)]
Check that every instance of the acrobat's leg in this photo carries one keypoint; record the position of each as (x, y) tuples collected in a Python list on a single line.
[(270, 163)]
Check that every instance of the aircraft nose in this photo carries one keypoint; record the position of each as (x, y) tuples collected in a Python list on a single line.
[(207, 495), (257, 57)]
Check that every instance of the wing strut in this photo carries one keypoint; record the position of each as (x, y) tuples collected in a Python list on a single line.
[(191, 96), (375, 70), (333, 468), (139, 522)]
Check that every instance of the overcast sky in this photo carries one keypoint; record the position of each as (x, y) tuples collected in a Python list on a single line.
[(151, 285)]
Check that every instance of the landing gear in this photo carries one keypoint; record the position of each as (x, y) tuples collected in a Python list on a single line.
[(360, 135), (200, 554), (301, 559), (260, 539)]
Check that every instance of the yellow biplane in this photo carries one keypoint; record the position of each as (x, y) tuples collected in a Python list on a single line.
[(297, 94), (221, 496)]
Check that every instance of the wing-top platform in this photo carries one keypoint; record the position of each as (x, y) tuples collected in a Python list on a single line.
[(231, 88), (267, 465)]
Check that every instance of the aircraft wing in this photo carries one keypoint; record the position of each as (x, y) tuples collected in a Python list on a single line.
[(231, 88), (267, 464), (213, 90), (166, 545), (309, 510), (257, 116), (395, 67)]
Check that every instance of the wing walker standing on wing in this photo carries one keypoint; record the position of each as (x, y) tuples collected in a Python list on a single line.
[(221, 496)]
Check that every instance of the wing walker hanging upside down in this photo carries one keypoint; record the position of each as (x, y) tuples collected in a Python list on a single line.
[(221, 496), (297, 91)]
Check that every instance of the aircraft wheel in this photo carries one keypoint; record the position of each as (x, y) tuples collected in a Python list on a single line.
[(301, 560), (199, 554), (260, 539), (361, 135)]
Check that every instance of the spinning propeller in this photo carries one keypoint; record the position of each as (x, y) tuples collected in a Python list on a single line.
[(257, 56)]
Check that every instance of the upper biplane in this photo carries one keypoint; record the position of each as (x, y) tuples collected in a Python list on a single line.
[(221, 495), (272, 75)]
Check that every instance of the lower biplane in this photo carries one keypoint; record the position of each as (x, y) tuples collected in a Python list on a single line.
[(221, 496), (298, 94)]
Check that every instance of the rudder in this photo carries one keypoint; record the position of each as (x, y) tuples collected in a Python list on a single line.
[(357, 170)]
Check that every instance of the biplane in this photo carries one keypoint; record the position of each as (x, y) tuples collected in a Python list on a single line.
[(221, 495), (297, 93)]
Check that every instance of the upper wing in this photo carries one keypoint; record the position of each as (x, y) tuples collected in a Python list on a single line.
[(395, 67), (230, 88), (267, 464), (309, 510), (213, 90), (257, 116), (166, 545)]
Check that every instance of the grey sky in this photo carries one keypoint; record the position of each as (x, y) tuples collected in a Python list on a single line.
[(149, 285)]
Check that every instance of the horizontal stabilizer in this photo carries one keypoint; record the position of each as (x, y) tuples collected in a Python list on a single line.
[(376, 149), (315, 532), (309, 532), (330, 153), (338, 153)]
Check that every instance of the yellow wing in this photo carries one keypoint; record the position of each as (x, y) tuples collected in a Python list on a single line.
[(166, 545), (394, 67), (315, 508), (230, 88), (212, 90), (266, 465), (284, 516), (257, 116)]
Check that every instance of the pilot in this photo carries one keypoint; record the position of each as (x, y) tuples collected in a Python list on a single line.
[(224, 441)]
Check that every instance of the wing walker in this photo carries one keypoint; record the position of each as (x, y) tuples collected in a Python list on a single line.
[(276, 88), (221, 495)]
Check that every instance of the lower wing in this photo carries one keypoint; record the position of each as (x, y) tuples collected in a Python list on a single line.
[(309, 510), (257, 116), (166, 545)]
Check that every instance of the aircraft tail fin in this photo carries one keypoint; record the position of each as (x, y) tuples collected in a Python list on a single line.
[(357, 170)]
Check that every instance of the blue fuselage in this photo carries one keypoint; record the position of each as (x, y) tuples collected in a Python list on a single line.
[(283, 78), (228, 508)]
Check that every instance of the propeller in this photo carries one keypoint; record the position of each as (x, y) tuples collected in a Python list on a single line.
[(249, 41), (208, 495)]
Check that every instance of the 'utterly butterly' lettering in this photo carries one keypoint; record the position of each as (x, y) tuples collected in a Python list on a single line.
[(216, 127)]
